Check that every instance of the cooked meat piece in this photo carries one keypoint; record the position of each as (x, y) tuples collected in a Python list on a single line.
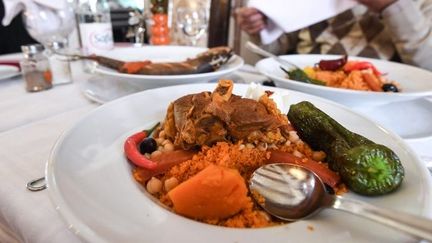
[(204, 119)]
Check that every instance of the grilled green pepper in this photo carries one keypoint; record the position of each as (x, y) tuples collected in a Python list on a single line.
[(365, 167), (299, 75)]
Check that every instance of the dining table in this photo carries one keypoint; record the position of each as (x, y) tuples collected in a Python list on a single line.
[(30, 124)]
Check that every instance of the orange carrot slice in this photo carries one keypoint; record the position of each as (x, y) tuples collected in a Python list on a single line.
[(133, 67), (372, 81), (214, 193)]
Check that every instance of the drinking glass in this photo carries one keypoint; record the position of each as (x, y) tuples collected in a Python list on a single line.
[(47, 25), (192, 23)]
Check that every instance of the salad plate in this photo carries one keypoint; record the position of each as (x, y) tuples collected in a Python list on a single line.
[(414, 82), (90, 182), (164, 54)]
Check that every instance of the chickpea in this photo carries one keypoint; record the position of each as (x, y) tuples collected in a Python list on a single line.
[(318, 155), (171, 183), (293, 137), (162, 134), (168, 147), (154, 185), (159, 140), (296, 153), (155, 153), (241, 146), (250, 146)]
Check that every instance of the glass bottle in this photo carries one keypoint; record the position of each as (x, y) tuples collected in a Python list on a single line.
[(35, 68), (95, 28), (60, 66)]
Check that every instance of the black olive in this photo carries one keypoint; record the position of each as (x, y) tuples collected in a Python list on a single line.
[(390, 88), (148, 145), (269, 83)]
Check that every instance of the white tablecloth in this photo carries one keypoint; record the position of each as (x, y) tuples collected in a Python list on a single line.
[(30, 124)]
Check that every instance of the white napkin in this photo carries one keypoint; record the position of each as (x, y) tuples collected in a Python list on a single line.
[(287, 16), (13, 7)]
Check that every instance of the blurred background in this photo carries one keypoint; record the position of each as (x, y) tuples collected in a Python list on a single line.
[(205, 23)]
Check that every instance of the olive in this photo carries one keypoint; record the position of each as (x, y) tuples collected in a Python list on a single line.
[(390, 88), (269, 83), (148, 145)]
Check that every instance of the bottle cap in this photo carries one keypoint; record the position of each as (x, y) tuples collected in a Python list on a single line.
[(30, 51), (56, 45)]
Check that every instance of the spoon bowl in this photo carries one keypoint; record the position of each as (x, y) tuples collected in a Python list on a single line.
[(291, 192), (302, 198)]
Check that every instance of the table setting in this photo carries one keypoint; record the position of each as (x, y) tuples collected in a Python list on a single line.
[(70, 173)]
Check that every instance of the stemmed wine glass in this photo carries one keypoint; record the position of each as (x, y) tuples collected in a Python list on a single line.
[(192, 23), (48, 25)]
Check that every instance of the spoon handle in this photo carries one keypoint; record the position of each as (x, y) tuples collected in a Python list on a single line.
[(414, 225)]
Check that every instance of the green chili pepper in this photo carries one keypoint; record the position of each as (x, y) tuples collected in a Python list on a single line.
[(299, 75)]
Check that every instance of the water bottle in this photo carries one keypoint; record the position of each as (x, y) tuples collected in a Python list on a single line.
[(95, 28)]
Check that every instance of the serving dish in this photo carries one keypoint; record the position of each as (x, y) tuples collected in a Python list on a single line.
[(414, 82), (91, 185), (163, 54)]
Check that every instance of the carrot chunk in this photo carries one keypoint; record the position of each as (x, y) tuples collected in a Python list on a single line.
[(214, 193), (133, 67)]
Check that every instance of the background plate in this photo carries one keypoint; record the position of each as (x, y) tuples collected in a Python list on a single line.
[(415, 82), (8, 71), (164, 54)]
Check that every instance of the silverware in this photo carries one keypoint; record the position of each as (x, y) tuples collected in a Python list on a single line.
[(38, 184), (258, 50), (291, 192)]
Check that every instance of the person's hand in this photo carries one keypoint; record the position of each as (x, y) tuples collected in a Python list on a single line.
[(376, 5), (250, 20)]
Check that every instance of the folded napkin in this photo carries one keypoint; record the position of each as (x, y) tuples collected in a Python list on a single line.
[(287, 16)]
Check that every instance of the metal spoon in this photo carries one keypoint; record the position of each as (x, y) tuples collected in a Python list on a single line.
[(291, 192), (258, 50)]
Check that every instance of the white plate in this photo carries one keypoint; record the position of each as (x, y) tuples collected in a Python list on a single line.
[(8, 71), (102, 89), (90, 181), (164, 54), (415, 82), (409, 119)]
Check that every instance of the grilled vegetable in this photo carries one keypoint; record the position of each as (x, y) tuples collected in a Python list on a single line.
[(299, 75), (333, 65), (205, 62), (364, 166)]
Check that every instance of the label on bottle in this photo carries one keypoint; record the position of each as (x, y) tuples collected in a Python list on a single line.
[(96, 37)]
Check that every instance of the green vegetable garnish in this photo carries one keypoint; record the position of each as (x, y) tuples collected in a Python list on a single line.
[(299, 75), (364, 166)]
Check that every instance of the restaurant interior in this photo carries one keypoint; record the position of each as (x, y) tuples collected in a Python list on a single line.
[(215, 121)]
